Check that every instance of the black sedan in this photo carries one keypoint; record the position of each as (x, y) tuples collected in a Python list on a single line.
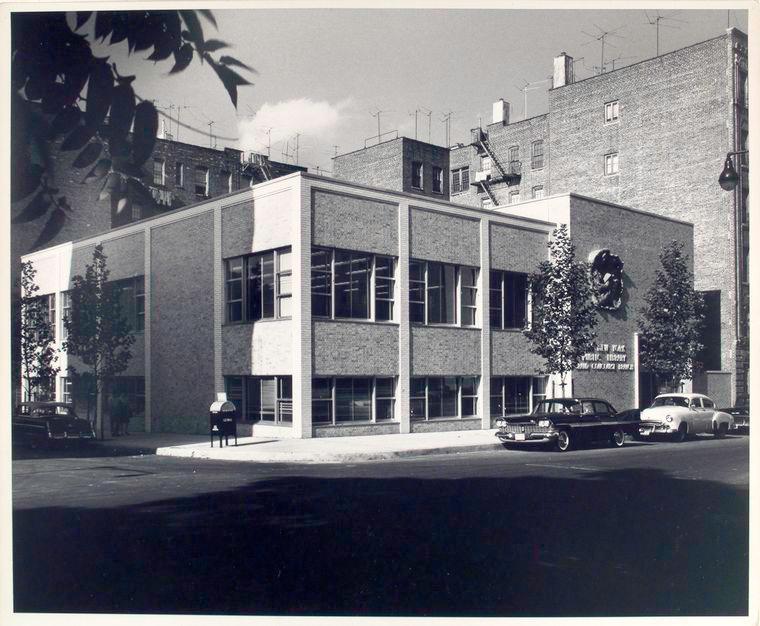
[(567, 422), (46, 422)]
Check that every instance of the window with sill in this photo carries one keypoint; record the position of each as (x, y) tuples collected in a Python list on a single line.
[(437, 179), (460, 180), (179, 175), (538, 192), (611, 164), (261, 398), (201, 181), (417, 174), (159, 172), (611, 112), (514, 197), (360, 399), (131, 295), (508, 300), (441, 293), (516, 394), (537, 154), (258, 286), (443, 397), (352, 285)]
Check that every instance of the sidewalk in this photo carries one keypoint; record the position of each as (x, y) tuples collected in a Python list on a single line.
[(327, 449)]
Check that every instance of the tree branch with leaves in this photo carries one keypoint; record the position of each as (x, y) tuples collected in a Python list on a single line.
[(98, 332), (114, 133), (38, 353), (671, 320), (564, 316)]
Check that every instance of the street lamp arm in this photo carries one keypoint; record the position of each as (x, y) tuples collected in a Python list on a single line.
[(729, 177)]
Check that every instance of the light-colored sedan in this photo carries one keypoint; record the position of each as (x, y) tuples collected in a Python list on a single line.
[(679, 415)]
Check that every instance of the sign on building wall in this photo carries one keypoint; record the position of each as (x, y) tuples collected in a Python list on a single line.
[(607, 357)]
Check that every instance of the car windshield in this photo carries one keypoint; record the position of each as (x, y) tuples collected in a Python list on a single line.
[(671, 401), (47, 411), (558, 406)]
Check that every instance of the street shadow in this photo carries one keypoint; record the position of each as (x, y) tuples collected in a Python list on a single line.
[(604, 543), (82, 450)]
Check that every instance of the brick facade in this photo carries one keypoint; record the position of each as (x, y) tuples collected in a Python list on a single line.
[(187, 348)]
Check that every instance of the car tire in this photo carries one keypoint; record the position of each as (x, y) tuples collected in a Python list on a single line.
[(721, 431), (564, 441), (680, 435), (618, 438)]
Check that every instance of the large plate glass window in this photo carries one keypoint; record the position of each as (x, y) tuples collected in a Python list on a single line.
[(385, 285), (352, 272), (265, 293)]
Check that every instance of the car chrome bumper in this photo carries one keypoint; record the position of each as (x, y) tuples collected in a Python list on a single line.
[(655, 428), (526, 437)]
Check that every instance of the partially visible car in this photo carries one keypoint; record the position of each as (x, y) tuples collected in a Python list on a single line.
[(45, 422), (740, 415), (679, 415), (566, 422)]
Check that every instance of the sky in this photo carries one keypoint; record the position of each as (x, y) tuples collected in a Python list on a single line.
[(325, 73)]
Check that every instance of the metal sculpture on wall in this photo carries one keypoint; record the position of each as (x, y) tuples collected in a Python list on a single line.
[(607, 279)]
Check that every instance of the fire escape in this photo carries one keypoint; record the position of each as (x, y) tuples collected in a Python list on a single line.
[(485, 178), (258, 167)]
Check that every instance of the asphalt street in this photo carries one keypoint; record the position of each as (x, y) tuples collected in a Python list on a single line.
[(649, 529)]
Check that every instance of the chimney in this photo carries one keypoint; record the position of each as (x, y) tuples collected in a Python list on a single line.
[(500, 112), (563, 70)]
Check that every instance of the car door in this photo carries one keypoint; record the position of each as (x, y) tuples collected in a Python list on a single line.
[(696, 416), (706, 415)]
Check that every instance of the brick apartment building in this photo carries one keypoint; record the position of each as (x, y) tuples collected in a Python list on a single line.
[(328, 308), (177, 174), (652, 135)]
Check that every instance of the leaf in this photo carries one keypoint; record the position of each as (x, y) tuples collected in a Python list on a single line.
[(212, 45), (78, 138), (145, 129), (194, 27), (99, 94), (232, 62), (101, 168), (103, 24), (34, 210), (182, 58), (51, 229), (111, 184), (231, 80), (82, 17), (127, 168), (209, 16), (122, 110), (65, 121), (120, 27), (88, 155)]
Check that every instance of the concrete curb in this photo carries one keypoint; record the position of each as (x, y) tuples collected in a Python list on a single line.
[(236, 455)]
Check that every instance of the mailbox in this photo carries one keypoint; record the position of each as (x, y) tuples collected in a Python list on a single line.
[(222, 422)]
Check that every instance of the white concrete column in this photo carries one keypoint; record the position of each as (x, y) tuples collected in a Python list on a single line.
[(404, 329), (147, 331), (484, 303), (302, 325)]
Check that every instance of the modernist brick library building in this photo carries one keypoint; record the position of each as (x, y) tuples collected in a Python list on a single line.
[(325, 308)]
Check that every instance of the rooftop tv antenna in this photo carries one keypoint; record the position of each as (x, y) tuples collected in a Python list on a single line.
[(525, 89), (655, 21), (602, 37), (446, 119), (619, 59), (429, 114), (377, 115), (210, 136)]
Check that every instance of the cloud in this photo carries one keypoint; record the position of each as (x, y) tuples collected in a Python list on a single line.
[(318, 123)]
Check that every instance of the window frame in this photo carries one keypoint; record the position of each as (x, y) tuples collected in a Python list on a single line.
[(246, 278), (502, 292), (457, 305), (179, 175), (437, 179), (417, 165), (243, 403), (426, 399), (374, 279), (537, 154), (536, 391), (612, 112), (535, 192), (161, 181), (199, 169), (374, 398), (458, 184), (612, 164)]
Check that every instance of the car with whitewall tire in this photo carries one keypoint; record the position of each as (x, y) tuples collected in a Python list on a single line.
[(680, 415)]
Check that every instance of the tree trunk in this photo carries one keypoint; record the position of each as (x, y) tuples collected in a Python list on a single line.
[(102, 425)]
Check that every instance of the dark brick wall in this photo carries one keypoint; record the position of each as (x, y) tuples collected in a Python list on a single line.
[(389, 165), (182, 352)]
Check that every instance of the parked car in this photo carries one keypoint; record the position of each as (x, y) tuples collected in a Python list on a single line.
[(567, 422), (741, 417), (679, 415), (44, 422)]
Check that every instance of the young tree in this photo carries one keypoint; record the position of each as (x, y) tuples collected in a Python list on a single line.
[(564, 317), (36, 338), (671, 320), (98, 332)]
